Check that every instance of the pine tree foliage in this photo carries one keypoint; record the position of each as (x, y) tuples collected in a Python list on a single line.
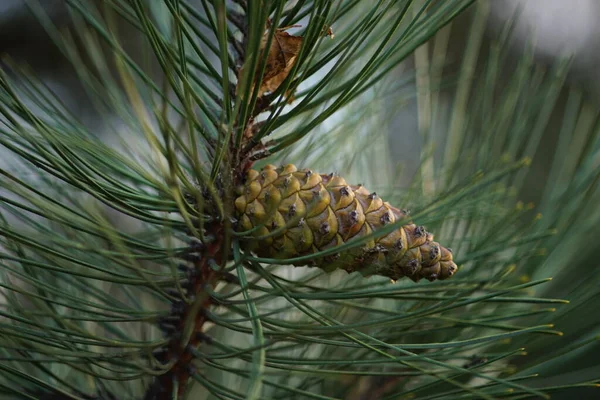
[(124, 273)]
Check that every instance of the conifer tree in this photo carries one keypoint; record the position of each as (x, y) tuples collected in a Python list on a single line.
[(160, 264)]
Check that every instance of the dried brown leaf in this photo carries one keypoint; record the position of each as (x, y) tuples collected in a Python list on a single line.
[(281, 58)]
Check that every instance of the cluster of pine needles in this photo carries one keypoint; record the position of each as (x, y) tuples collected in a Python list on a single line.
[(125, 270)]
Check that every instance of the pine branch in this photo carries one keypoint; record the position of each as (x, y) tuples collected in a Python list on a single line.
[(160, 267), (184, 325)]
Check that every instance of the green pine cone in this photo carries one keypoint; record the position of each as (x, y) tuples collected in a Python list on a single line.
[(293, 213)]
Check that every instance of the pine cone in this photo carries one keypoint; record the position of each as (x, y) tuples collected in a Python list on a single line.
[(293, 213)]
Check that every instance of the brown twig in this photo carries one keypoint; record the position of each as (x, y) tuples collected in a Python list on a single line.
[(179, 350), (202, 277)]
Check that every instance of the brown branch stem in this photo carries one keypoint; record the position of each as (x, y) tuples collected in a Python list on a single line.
[(179, 347)]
